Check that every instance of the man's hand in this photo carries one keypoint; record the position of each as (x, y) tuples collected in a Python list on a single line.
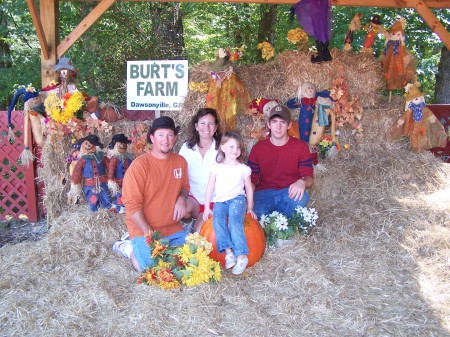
[(180, 208), (297, 189)]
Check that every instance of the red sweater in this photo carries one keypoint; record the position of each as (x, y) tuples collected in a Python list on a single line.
[(277, 167)]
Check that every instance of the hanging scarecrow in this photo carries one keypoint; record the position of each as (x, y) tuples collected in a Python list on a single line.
[(398, 63), (226, 92), (89, 175), (373, 28), (418, 123), (315, 18), (355, 25), (118, 164), (34, 114)]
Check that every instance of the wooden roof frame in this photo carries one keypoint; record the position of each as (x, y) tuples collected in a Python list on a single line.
[(46, 22)]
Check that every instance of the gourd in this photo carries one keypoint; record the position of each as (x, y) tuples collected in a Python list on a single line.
[(256, 240)]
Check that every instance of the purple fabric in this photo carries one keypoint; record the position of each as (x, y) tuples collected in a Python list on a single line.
[(315, 18)]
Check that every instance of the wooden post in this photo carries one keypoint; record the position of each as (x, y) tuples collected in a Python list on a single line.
[(49, 10)]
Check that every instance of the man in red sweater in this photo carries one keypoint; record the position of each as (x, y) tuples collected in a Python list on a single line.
[(282, 168), (154, 191)]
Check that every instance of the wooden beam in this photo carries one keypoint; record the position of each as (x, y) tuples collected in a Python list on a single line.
[(39, 30), (432, 21), (353, 3), (84, 25), (49, 18)]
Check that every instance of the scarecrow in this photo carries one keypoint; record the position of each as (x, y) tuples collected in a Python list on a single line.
[(418, 123), (306, 102), (355, 25), (226, 92), (398, 63), (34, 114), (263, 106), (373, 29), (315, 18), (90, 171), (118, 164)]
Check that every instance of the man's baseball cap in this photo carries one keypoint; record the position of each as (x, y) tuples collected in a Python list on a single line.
[(163, 122), (280, 111)]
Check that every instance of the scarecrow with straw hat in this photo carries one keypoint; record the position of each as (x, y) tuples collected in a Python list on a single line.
[(89, 175), (119, 162), (373, 28), (227, 94), (34, 114), (398, 63), (418, 123)]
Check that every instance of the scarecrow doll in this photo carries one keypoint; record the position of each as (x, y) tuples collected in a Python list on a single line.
[(118, 164), (373, 28), (398, 63), (315, 18), (355, 25), (306, 102), (418, 123), (90, 172), (226, 92), (34, 114)]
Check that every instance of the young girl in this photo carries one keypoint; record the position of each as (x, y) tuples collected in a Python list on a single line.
[(230, 179)]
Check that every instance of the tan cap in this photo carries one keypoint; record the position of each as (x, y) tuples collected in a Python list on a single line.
[(280, 111)]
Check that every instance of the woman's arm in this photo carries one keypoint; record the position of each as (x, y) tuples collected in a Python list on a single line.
[(209, 191)]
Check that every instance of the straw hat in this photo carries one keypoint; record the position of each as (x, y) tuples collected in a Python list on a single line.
[(412, 92)]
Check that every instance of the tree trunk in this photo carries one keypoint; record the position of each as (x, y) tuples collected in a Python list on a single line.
[(5, 51), (268, 19), (442, 87), (167, 23)]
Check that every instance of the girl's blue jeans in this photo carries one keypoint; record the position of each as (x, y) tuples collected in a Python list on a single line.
[(142, 251), (267, 201), (231, 235)]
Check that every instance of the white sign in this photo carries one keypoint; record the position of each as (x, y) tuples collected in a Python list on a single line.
[(156, 85)]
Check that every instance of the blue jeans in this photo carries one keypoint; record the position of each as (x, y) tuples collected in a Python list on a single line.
[(267, 201), (142, 251), (231, 236)]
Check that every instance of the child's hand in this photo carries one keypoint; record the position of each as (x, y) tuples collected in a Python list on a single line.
[(253, 214), (206, 214)]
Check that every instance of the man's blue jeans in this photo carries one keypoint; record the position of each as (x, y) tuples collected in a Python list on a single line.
[(231, 236), (267, 201)]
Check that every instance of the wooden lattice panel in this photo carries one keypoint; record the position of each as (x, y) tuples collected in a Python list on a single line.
[(17, 184)]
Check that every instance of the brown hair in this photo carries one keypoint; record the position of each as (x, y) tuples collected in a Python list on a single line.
[(225, 138), (193, 136)]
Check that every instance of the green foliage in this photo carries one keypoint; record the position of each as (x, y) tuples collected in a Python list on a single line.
[(127, 32)]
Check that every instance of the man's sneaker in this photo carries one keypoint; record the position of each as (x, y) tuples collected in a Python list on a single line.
[(240, 266), (123, 248), (230, 260), (125, 236)]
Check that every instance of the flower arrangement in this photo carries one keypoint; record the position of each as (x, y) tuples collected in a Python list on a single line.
[(187, 265), (299, 38), (267, 50), (63, 110), (304, 218), (276, 226), (325, 145)]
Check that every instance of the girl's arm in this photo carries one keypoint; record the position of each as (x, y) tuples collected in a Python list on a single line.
[(249, 192), (209, 191)]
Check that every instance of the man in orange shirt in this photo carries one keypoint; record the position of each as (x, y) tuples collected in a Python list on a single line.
[(155, 188)]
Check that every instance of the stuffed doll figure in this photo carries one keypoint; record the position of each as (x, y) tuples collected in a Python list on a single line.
[(323, 116), (373, 28), (227, 94), (398, 63), (306, 102), (418, 123), (89, 175), (34, 114), (118, 164), (355, 25)]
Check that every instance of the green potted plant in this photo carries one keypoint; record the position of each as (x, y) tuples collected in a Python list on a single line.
[(278, 230)]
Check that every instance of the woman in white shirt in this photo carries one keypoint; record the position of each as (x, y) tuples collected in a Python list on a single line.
[(200, 151)]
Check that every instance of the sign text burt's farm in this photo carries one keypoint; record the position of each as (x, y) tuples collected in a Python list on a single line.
[(156, 85)]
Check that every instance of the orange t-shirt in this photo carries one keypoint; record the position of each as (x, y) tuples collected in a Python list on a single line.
[(153, 185)]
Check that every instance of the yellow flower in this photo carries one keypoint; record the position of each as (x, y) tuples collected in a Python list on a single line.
[(297, 35), (23, 217), (267, 50), (198, 86), (185, 253), (158, 249)]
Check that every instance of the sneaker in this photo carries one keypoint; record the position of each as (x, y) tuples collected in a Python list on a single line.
[(124, 237), (240, 266), (123, 248), (230, 260)]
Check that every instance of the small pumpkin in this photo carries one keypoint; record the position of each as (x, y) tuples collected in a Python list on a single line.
[(256, 240)]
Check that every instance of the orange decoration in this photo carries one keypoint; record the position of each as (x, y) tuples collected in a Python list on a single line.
[(256, 240)]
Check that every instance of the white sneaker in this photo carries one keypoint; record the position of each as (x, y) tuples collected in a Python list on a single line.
[(230, 260), (240, 266), (125, 236), (123, 248)]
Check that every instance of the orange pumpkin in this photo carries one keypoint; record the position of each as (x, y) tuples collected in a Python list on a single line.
[(256, 240)]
